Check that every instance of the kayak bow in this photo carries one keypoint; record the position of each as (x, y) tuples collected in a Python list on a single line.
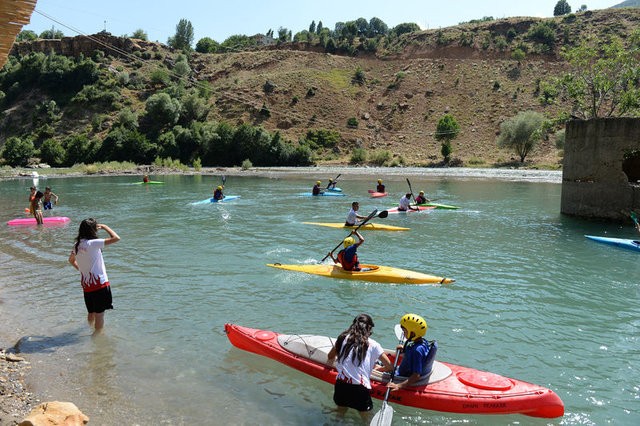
[(618, 242), (450, 388), (376, 273)]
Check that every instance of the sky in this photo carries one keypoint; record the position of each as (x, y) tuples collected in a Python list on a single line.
[(221, 19)]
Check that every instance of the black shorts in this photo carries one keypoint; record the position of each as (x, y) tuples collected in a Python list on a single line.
[(98, 301), (352, 396)]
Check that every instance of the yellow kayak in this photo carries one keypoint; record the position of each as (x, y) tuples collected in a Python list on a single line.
[(376, 273), (365, 227)]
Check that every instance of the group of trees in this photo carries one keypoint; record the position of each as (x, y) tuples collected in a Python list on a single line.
[(563, 8), (173, 123)]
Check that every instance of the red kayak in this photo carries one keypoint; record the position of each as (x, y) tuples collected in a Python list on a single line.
[(450, 388), (419, 209), (375, 194)]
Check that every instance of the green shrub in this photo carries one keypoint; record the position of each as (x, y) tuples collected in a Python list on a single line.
[(52, 152), (352, 122), (380, 158), (16, 151), (246, 164), (197, 164), (358, 156)]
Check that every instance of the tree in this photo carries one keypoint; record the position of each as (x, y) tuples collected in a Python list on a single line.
[(521, 133), (312, 27), (207, 45), (140, 34), (52, 153), (284, 35), (602, 79), (16, 151), (26, 35), (183, 38), (51, 34), (562, 8), (162, 111), (446, 131), (377, 27), (319, 27), (404, 28)]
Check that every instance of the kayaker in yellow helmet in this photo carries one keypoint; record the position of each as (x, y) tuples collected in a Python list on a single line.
[(217, 193), (380, 187), (419, 353), (332, 184), (355, 353), (316, 189), (348, 256)]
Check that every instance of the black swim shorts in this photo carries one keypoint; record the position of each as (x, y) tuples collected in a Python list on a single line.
[(352, 396), (98, 301)]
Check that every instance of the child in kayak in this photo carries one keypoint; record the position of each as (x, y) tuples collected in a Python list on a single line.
[(353, 216), (316, 189), (419, 353), (348, 256), (145, 179), (217, 194), (421, 199), (47, 198), (380, 187), (331, 185), (355, 354)]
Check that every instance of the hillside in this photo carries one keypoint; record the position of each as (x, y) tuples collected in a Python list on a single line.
[(407, 86)]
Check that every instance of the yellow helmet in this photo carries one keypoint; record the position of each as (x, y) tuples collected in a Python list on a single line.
[(330, 180), (220, 188), (349, 241), (379, 180), (318, 182), (414, 324)]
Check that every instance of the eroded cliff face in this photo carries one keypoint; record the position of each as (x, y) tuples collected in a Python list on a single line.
[(86, 45)]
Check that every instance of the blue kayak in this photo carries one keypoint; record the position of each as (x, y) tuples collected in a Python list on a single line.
[(619, 242), (336, 189), (211, 200), (324, 194)]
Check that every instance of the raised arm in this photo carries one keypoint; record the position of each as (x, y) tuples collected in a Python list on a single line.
[(113, 237)]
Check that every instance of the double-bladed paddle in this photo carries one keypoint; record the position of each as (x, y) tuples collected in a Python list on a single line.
[(381, 215), (385, 415)]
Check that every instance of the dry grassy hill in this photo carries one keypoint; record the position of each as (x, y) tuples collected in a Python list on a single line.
[(407, 88)]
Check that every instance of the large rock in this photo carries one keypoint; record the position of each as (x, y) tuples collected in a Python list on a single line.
[(55, 413)]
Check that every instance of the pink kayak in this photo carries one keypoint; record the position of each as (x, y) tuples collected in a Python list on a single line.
[(26, 221), (420, 209), (375, 194)]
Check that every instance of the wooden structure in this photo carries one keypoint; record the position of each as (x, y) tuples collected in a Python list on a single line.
[(13, 15)]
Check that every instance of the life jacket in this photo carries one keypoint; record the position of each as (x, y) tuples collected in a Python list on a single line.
[(217, 195), (380, 188), (316, 190), (346, 265)]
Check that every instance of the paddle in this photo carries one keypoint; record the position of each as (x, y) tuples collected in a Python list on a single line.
[(385, 415), (334, 180), (412, 196), (382, 215), (635, 220)]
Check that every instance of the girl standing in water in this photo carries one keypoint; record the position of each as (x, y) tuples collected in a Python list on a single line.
[(86, 257)]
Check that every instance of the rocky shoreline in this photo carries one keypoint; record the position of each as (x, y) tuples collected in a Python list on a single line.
[(15, 399)]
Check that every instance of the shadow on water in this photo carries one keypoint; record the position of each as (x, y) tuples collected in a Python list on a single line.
[(46, 344)]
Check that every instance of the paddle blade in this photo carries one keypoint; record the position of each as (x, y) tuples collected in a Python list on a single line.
[(224, 179), (383, 214), (634, 217), (384, 416)]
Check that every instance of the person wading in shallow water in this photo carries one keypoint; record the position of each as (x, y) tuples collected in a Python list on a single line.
[(86, 257)]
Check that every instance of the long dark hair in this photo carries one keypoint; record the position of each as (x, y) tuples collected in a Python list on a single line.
[(356, 337), (88, 231)]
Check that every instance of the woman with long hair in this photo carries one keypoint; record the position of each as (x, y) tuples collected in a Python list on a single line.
[(355, 354), (86, 257)]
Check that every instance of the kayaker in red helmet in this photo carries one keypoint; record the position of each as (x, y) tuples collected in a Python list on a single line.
[(419, 353), (348, 256), (355, 354)]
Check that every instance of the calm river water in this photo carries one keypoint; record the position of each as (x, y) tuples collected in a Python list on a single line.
[(533, 300)]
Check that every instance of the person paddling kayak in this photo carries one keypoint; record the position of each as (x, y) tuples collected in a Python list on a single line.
[(217, 194), (380, 187), (353, 216), (348, 256), (316, 189), (421, 199), (405, 203), (419, 353)]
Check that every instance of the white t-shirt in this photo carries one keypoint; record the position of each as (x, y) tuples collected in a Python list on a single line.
[(91, 265), (404, 203), (352, 217), (359, 374)]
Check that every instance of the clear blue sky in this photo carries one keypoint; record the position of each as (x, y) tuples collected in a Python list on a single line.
[(221, 19)]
